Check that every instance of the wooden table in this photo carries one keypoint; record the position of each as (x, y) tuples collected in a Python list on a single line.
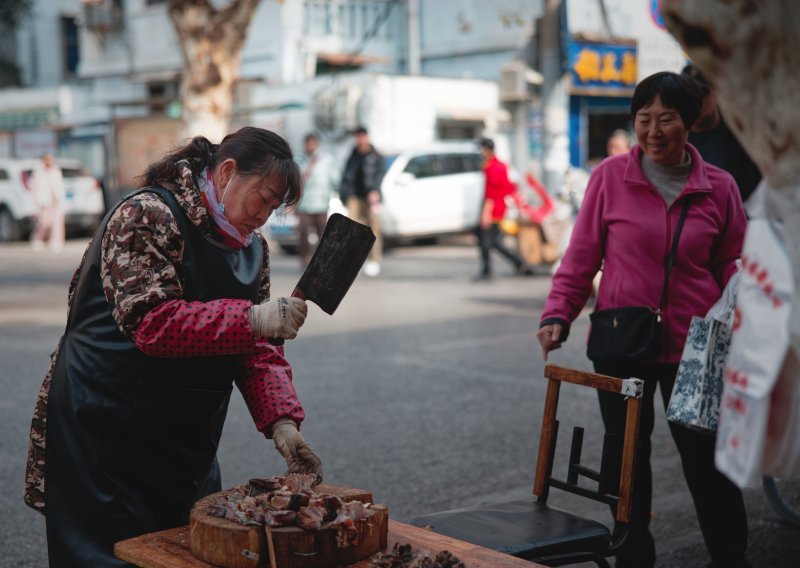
[(170, 549)]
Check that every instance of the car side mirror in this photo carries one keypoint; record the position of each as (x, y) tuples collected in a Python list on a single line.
[(405, 178)]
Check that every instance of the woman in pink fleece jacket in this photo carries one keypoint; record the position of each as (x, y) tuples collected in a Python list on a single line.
[(626, 225)]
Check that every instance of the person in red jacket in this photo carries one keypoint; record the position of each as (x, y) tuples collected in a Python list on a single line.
[(497, 188), (628, 217)]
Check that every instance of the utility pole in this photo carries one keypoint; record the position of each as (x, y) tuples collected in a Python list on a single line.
[(413, 63), (554, 99)]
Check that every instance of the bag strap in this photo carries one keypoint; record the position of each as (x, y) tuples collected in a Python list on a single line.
[(674, 251)]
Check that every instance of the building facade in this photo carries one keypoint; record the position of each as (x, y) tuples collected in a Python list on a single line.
[(93, 70)]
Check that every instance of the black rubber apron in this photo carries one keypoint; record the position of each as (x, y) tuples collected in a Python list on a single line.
[(131, 440)]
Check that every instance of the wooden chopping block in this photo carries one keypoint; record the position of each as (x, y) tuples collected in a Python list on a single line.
[(226, 543), (293, 547)]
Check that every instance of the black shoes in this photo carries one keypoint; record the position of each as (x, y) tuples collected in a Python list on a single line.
[(482, 277)]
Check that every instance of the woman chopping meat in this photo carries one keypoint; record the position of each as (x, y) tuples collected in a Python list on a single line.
[(169, 306)]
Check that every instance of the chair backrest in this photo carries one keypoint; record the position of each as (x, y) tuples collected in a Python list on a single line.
[(607, 475)]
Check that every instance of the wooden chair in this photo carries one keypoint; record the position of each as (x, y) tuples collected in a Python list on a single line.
[(532, 529)]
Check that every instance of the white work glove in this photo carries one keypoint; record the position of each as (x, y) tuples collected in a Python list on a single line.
[(279, 318), (296, 451)]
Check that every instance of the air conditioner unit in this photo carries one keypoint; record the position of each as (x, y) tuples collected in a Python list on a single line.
[(102, 15), (514, 79)]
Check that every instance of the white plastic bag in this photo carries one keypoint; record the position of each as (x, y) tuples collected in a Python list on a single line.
[(724, 308), (782, 443), (758, 349)]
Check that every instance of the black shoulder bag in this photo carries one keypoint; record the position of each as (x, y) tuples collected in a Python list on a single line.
[(630, 333)]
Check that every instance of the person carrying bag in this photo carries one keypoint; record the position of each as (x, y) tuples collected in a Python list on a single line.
[(663, 260), (634, 332)]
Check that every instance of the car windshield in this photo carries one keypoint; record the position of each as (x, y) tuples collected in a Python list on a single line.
[(388, 160)]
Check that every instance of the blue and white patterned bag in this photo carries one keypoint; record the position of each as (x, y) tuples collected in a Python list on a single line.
[(697, 392)]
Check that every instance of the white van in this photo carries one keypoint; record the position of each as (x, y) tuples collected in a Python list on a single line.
[(427, 192)]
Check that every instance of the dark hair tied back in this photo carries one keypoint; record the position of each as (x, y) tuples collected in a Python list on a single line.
[(257, 152), (206, 149)]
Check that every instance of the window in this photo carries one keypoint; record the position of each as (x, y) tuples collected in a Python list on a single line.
[(3, 175), (427, 166), (69, 46), (473, 163), (461, 163), (448, 129), (419, 166)]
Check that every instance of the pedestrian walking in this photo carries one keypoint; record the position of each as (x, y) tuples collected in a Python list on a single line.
[(360, 191), (320, 177), (715, 141), (47, 187), (497, 186), (637, 207), (169, 307)]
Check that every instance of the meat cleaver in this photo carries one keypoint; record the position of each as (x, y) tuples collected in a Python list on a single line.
[(342, 250)]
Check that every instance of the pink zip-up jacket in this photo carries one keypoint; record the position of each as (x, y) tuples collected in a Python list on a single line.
[(625, 225)]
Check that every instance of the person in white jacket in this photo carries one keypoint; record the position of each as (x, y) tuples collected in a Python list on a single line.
[(47, 186), (321, 179)]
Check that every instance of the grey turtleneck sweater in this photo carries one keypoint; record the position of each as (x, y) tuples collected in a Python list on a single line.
[(668, 180)]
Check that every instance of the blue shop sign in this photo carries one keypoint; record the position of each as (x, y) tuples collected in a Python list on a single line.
[(602, 68)]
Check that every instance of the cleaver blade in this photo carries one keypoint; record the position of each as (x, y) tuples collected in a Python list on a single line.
[(340, 254)]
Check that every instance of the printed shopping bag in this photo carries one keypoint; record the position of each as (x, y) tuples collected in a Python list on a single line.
[(697, 392)]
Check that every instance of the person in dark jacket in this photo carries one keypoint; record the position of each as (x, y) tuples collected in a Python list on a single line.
[(169, 307), (360, 192), (715, 141)]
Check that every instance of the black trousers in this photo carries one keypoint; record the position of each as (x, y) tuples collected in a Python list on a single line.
[(717, 501), (491, 238)]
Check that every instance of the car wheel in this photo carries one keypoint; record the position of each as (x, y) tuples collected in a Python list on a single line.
[(9, 228)]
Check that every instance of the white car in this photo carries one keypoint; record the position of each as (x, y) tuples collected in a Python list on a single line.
[(427, 192), (17, 208), (83, 206)]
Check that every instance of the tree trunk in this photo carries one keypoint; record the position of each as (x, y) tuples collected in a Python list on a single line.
[(211, 41), (748, 50)]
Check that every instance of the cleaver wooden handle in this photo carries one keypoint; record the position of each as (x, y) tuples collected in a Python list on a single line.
[(296, 293)]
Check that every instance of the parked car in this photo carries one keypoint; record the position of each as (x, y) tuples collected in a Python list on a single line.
[(17, 208), (83, 206), (427, 192)]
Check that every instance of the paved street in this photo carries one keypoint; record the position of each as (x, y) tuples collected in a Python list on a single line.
[(425, 388)]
